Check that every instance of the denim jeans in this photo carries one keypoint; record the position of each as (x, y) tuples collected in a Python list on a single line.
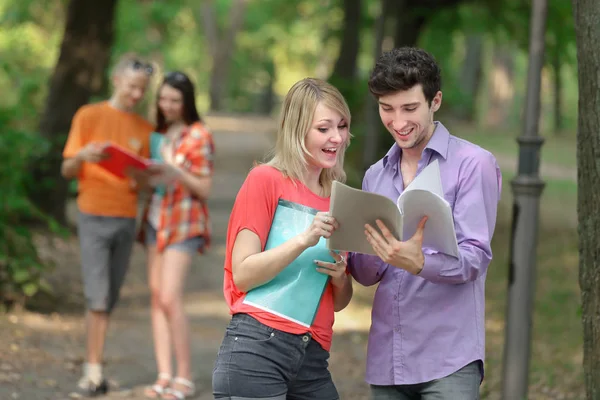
[(461, 385), (256, 361)]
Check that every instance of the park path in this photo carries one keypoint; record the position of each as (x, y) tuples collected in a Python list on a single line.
[(41, 353)]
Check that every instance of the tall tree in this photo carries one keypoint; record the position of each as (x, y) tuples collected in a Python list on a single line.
[(470, 77), (587, 32), (79, 72), (559, 39), (344, 70), (221, 46), (373, 129)]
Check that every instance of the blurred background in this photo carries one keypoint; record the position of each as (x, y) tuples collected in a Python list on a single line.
[(243, 56)]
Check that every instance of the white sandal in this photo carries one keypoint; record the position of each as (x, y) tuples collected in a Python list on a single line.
[(156, 390), (178, 394)]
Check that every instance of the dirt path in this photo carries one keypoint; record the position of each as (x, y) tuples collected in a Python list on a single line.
[(41, 354)]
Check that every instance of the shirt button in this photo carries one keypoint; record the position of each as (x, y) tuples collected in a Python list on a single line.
[(395, 297), (397, 329)]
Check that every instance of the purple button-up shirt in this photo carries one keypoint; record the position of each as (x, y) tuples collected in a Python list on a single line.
[(428, 326)]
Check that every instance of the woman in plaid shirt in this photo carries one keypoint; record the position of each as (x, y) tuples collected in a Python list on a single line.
[(176, 225)]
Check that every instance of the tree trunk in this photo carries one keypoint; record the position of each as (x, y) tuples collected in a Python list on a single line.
[(471, 78), (344, 71), (266, 100), (587, 30), (373, 125), (221, 48), (409, 22), (502, 86), (556, 64), (79, 72)]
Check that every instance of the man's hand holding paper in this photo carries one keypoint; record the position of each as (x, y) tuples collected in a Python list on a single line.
[(406, 255), (354, 209)]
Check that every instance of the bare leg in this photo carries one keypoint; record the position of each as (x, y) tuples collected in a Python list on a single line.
[(174, 271), (97, 325), (160, 325)]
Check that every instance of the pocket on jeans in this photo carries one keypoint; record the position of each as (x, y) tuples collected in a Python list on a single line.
[(242, 331)]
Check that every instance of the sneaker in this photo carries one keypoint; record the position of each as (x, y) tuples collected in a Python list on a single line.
[(87, 388)]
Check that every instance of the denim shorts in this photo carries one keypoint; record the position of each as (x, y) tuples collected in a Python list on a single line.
[(256, 361), (190, 245)]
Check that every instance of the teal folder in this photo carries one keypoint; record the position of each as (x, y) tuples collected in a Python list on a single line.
[(156, 141), (295, 293)]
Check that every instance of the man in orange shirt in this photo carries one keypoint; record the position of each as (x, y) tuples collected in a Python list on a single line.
[(107, 205)]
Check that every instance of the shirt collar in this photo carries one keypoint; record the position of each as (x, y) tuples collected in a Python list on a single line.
[(438, 143), (439, 140)]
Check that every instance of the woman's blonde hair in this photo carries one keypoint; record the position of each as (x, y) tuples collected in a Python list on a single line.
[(290, 154)]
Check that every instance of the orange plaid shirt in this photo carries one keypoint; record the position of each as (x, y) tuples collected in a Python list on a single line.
[(182, 214)]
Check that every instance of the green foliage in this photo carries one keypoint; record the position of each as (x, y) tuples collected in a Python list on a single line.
[(20, 267), (29, 42)]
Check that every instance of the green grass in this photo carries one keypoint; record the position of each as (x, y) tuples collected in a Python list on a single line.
[(558, 150), (556, 357), (556, 352)]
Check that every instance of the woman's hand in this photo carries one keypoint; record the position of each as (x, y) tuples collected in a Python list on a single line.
[(139, 179), (322, 225), (336, 270), (163, 173)]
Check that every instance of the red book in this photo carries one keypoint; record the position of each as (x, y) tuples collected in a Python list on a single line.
[(119, 159)]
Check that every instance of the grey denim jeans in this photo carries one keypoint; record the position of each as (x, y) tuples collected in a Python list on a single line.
[(461, 385), (256, 361)]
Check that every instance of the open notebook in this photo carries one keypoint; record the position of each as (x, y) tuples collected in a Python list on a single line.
[(353, 208)]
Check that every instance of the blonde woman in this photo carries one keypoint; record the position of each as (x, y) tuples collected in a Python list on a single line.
[(264, 355)]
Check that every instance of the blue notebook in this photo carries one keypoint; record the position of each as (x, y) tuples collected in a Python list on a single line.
[(295, 293)]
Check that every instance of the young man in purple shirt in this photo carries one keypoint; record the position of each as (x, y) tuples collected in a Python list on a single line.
[(427, 338)]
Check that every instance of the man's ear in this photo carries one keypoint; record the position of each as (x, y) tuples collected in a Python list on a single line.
[(436, 102)]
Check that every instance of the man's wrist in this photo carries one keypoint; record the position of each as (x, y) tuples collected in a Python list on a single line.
[(420, 266)]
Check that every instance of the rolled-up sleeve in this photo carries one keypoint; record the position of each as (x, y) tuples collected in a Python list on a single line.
[(365, 268)]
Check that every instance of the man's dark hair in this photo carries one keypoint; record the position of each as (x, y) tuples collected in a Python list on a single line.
[(402, 68), (180, 81)]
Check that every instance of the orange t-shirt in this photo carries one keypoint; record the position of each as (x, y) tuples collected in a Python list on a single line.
[(100, 192), (254, 209)]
